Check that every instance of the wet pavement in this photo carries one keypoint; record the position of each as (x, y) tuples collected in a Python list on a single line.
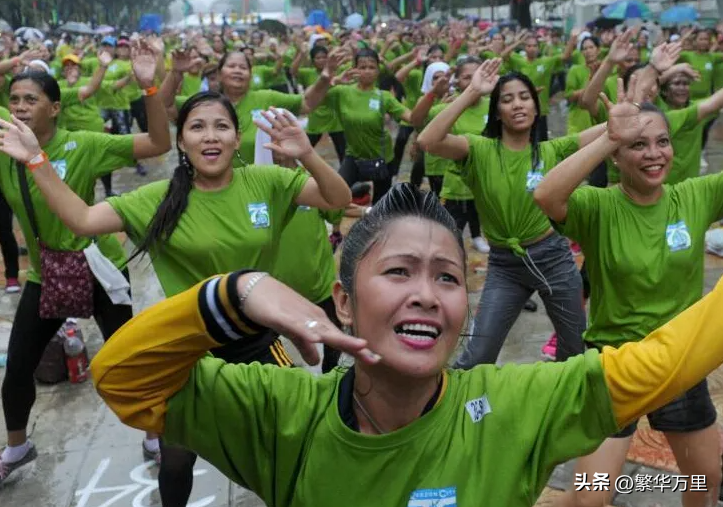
[(87, 458)]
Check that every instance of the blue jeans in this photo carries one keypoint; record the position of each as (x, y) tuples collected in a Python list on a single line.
[(548, 269)]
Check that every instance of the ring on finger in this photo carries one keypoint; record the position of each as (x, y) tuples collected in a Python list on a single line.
[(311, 324), (637, 104)]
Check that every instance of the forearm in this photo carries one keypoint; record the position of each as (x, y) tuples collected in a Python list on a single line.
[(170, 86), (332, 186), (7, 65), (316, 93), (591, 93), (421, 110), (440, 126), (150, 358), (403, 73), (400, 60), (158, 128), (646, 375), (92, 87)]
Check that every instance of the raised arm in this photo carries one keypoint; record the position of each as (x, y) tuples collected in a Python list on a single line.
[(19, 142), (618, 52), (316, 93), (553, 192), (87, 91), (435, 139), (181, 62), (421, 111)]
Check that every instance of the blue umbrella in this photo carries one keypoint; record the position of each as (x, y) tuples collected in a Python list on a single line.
[(626, 10), (319, 18), (678, 15), (354, 22)]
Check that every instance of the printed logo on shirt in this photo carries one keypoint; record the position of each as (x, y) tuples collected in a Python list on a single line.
[(478, 408), (257, 79), (374, 104), (534, 177), (443, 497), (678, 237), (708, 66), (304, 208), (71, 146), (259, 214), (540, 68), (61, 168), (256, 115), (113, 67)]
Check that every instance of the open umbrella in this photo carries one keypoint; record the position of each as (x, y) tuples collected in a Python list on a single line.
[(624, 9), (318, 18), (75, 27), (679, 15), (354, 22), (604, 23), (273, 26), (27, 33), (104, 30)]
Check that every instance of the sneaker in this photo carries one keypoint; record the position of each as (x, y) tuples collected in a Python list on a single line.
[(12, 286), (149, 455), (530, 306), (7, 468), (481, 245), (549, 350), (575, 248), (703, 163)]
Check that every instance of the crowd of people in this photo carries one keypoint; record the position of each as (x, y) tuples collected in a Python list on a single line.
[(238, 235)]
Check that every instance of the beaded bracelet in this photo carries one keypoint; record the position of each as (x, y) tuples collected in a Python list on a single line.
[(246, 292)]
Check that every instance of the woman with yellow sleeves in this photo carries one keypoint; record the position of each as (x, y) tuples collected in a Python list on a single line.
[(398, 427)]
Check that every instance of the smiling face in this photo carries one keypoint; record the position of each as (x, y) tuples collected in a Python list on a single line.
[(645, 163), (702, 41), (589, 51), (678, 91), (71, 72), (33, 107), (209, 138), (516, 106), (465, 74), (410, 300), (236, 72), (368, 70), (532, 47)]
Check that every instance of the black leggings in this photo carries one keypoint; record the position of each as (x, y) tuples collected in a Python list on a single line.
[(175, 477), (337, 138), (8, 243), (119, 126), (405, 132), (350, 173), (464, 212), (29, 337)]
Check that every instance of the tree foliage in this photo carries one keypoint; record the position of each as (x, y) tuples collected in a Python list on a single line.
[(124, 13), (405, 9)]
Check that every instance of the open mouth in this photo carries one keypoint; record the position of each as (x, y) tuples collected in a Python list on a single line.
[(653, 170), (519, 116), (211, 154), (418, 335)]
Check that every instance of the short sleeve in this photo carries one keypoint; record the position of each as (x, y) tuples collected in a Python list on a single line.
[(285, 101), (110, 152), (180, 100), (573, 82), (467, 167), (332, 216), (138, 207), (706, 190), (583, 212), (246, 420), (682, 119), (69, 97), (307, 77), (332, 96), (564, 147), (392, 106), (517, 61)]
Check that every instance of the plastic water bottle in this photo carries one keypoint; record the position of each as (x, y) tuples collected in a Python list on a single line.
[(75, 357)]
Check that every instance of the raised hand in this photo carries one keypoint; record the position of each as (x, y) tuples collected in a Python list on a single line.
[(621, 47), (181, 61), (624, 122), (18, 141), (665, 55), (143, 60), (441, 87), (105, 58), (157, 45), (287, 136), (485, 77), (335, 59)]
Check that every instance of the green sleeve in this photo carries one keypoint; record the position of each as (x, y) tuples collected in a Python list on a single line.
[(568, 411), (467, 168), (332, 216), (285, 101), (112, 152), (516, 61), (392, 106), (180, 100), (250, 421), (682, 119), (284, 185), (583, 212), (138, 207), (565, 146), (574, 82), (706, 190), (307, 77), (69, 97)]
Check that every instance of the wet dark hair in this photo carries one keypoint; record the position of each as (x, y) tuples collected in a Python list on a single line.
[(629, 74), (403, 200), (592, 39), (468, 60), (649, 107), (175, 201), (45, 81), (318, 49), (435, 47), (226, 56), (494, 126), (665, 87), (366, 53)]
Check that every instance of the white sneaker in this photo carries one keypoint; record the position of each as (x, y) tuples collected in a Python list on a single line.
[(480, 244)]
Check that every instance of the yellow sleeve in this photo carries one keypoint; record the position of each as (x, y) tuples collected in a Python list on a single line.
[(150, 358), (646, 375)]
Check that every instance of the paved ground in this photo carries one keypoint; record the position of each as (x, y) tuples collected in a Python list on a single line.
[(88, 459)]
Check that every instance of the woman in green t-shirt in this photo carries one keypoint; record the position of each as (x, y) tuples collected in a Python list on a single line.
[(362, 108), (644, 243), (209, 218), (502, 169), (398, 428), (76, 160), (79, 109)]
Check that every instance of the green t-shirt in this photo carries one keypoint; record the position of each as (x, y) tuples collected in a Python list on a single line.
[(278, 432), (107, 97), (76, 115), (191, 84), (305, 261), (262, 76), (89, 65), (578, 118), (322, 119), (504, 67), (234, 228), (645, 263), (5, 91), (502, 182), (540, 72), (705, 64), (361, 113), (79, 158), (413, 88)]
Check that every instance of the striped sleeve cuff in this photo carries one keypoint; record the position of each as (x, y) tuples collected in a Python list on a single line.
[(218, 302)]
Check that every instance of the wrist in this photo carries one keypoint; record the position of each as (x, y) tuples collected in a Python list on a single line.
[(307, 157), (36, 161), (149, 91)]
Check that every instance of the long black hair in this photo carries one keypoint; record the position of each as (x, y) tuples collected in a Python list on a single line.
[(175, 201), (494, 126)]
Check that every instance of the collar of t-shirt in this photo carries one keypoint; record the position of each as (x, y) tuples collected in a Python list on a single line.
[(346, 400)]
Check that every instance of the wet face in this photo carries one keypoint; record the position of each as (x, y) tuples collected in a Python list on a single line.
[(71, 72), (516, 107), (498, 43), (645, 163), (532, 48), (236, 73), (702, 41), (678, 91), (209, 139), (436, 55), (410, 299), (368, 70), (589, 51), (320, 60), (218, 45), (32, 106), (465, 75)]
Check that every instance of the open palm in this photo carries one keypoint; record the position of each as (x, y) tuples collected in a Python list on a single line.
[(624, 121), (287, 136), (17, 140), (486, 76)]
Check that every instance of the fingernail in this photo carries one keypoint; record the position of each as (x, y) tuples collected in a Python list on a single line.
[(372, 356)]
